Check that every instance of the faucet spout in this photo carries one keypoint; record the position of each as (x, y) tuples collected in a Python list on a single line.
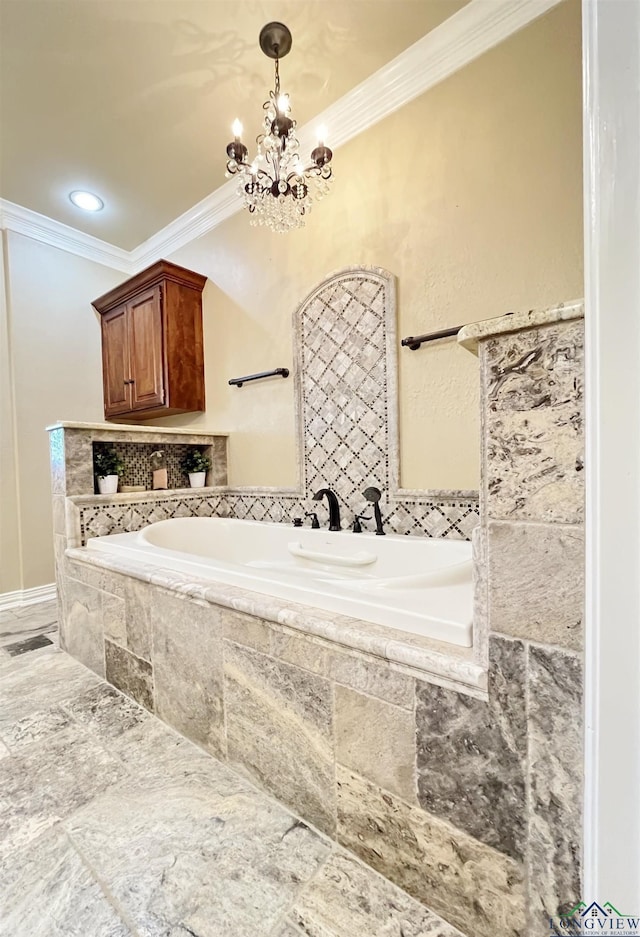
[(334, 506)]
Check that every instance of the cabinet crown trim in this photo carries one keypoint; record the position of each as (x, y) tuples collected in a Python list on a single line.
[(157, 273)]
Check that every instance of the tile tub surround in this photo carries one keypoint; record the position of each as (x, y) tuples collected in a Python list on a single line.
[(469, 799), (532, 373), (424, 781)]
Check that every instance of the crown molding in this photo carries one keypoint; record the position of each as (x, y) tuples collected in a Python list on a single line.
[(56, 234), (469, 33), (203, 217)]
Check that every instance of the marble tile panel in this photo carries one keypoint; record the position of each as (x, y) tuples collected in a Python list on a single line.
[(49, 780), (287, 929), (480, 595), (471, 335), (188, 668), (216, 862), (536, 582), (81, 633), (48, 891), (347, 899), (79, 463), (90, 575), (534, 424), (377, 741), (105, 712), (302, 651), (138, 599), (56, 455), (474, 887), (364, 674), (472, 754), (58, 508), (34, 727), (556, 780), (280, 729), (114, 618), (245, 629), (130, 674)]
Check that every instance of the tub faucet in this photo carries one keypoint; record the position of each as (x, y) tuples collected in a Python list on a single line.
[(334, 507), (374, 495)]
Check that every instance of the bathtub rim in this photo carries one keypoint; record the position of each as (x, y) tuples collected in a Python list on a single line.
[(427, 659)]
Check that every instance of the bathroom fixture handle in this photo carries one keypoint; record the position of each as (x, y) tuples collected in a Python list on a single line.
[(239, 381), (356, 559), (130, 381), (357, 526), (315, 523), (415, 341), (374, 495), (297, 522)]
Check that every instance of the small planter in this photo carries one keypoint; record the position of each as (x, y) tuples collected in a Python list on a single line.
[(197, 479), (108, 484)]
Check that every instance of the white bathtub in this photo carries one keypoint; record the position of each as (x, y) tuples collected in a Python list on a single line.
[(409, 583)]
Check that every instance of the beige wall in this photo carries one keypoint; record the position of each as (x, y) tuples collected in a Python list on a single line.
[(471, 196), (56, 370)]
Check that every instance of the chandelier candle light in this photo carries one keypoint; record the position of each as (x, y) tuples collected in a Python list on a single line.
[(278, 187)]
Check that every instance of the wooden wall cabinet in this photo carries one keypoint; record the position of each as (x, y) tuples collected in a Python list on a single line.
[(152, 352)]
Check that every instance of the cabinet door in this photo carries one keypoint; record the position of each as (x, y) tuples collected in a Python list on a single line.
[(115, 362), (146, 349)]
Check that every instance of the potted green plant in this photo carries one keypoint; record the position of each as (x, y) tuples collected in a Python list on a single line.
[(196, 465), (108, 467)]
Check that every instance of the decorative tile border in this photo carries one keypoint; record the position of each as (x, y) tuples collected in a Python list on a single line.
[(452, 520)]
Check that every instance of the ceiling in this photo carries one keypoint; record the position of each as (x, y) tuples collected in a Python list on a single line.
[(134, 99)]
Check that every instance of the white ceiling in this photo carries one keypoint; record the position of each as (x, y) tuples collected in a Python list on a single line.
[(134, 99)]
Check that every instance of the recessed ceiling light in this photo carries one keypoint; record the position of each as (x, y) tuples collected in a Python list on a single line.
[(86, 200)]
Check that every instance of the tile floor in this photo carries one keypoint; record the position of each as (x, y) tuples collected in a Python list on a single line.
[(112, 825)]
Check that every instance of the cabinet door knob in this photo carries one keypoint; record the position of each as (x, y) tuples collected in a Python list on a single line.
[(130, 381)]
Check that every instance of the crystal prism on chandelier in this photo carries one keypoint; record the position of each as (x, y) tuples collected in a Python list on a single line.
[(278, 186)]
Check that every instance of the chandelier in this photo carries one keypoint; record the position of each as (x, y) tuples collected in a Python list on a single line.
[(278, 186)]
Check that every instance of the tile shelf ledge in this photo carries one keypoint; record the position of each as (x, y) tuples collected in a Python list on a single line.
[(132, 428), (157, 494), (470, 335), (447, 665)]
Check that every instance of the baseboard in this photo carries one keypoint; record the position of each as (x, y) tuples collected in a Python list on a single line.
[(22, 597)]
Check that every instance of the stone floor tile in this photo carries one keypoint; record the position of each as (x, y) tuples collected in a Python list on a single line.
[(48, 780), (34, 727), (346, 899), (105, 711), (39, 680), (216, 862), (49, 892)]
